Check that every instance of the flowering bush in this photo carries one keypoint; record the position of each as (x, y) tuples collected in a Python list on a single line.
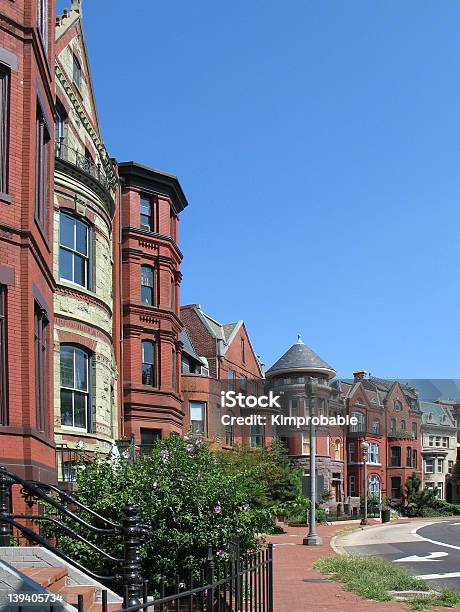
[(183, 495)]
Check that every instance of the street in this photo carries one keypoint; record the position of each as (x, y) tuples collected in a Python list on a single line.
[(427, 549)]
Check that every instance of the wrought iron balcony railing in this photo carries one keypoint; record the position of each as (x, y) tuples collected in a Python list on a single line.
[(83, 162)]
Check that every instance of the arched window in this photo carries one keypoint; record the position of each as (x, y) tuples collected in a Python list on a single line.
[(414, 430), (359, 427), (147, 286), (403, 425), (376, 426), (397, 406), (149, 363), (374, 485), (74, 250), (75, 387)]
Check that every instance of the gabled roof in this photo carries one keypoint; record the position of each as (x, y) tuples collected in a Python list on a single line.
[(300, 358), (189, 348), (224, 333)]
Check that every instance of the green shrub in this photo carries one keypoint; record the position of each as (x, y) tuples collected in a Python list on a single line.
[(184, 496), (274, 481)]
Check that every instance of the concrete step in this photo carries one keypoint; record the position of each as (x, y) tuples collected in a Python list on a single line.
[(51, 578), (70, 595), (111, 607)]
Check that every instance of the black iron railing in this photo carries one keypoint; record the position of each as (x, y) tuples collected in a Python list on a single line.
[(243, 584), (70, 522), (83, 162)]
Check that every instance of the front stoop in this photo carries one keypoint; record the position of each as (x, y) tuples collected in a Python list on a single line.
[(37, 570)]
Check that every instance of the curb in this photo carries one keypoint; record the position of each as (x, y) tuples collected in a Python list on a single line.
[(339, 550)]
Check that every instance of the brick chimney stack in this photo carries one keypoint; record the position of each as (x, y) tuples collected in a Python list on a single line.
[(359, 375)]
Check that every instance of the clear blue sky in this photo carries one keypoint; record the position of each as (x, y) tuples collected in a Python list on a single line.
[(318, 144)]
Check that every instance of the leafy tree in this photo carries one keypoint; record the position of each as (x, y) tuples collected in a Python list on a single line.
[(184, 496)]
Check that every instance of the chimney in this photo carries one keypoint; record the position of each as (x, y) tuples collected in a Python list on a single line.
[(359, 375)]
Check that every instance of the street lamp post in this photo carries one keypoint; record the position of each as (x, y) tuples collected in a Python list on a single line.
[(312, 539), (365, 450)]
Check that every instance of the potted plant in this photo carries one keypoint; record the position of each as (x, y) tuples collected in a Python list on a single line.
[(386, 511)]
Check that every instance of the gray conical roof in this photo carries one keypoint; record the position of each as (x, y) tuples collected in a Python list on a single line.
[(300, 358)]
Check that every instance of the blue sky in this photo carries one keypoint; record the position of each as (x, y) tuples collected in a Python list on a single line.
[(318, 144)]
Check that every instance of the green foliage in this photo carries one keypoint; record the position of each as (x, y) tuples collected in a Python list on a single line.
[(273, 479), (184, 495), (373, 504), (370, 577)]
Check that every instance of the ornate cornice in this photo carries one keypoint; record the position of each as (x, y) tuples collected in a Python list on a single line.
[(106, 161)]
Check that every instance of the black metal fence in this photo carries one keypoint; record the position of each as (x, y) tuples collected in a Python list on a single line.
[(229, 581)]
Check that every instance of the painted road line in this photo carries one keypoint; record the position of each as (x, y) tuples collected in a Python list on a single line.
[(432, 556), (439, 576), (440, 543)]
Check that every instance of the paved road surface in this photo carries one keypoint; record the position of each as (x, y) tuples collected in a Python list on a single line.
[(430, 550)]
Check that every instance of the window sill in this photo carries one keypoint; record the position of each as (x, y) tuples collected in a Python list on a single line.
[(5, 197)]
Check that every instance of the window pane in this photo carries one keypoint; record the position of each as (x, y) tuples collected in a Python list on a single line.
[(66, 407), (67, 353), (65, 264), (146, 207), (147, 374), (146, 295), (147, 352), (80, 410), (81, 371), (82, 238), (145, 221), (67, 231), (79, 270), (147, 276), (196, 411)]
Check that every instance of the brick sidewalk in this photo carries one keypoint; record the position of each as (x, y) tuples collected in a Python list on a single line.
[(298, 587)]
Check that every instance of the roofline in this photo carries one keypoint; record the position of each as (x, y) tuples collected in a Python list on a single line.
[(329, 372), (238, 324), (157, 181)]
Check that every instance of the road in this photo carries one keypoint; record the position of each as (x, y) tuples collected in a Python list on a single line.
[(429, 550)]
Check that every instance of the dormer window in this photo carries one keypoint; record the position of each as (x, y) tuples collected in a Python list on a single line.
[(397, 405)]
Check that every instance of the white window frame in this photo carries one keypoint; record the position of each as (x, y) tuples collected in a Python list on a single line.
[(203, 407), (86, 393)]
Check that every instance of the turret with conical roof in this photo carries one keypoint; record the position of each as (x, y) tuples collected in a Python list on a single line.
[(301, 359)]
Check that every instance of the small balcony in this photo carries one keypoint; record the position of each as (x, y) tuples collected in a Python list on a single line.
[(401, 434), (85, 164)]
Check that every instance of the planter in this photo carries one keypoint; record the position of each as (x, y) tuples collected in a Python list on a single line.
[(386, 516)]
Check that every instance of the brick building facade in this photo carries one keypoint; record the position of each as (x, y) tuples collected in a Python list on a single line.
[(151, 203), (27, 94), (388, 418), (228, 362), (89, 301)]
